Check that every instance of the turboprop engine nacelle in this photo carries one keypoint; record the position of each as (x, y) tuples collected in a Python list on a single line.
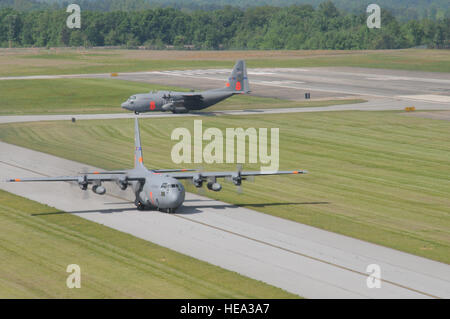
[(214, 186), (82, 182), (123, 183), (197, 181), (168, 107), (99, 190)]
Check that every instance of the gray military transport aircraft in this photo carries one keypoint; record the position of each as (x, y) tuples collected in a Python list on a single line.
[(154, 188), (183, 102)]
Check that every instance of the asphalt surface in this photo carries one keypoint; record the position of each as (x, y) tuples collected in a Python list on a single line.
[(321, 82), (375, 105), (300, 259), (292, 83)]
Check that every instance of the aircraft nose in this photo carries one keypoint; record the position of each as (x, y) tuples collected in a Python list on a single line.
[(125, 105), (176, 199)]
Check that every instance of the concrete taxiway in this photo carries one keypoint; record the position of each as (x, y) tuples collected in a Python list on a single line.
[(300, 259), (376, 105)]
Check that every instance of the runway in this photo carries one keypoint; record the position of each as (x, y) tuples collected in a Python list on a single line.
[(300, 259), (292, 83), (376, 105), (321, 82)]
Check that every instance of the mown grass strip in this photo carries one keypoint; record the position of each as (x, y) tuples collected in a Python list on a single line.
[(38, 242), (377, 176)]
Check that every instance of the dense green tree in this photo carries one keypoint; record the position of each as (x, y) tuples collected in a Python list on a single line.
[(266, 27), (12, 22)]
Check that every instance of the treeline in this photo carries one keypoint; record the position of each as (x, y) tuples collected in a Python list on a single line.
[(265, 27), (401, 9)]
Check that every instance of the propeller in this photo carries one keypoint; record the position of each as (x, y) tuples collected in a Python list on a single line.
[(82, 183), (122, 182), (197, 181), (167, 96), (236, 178)]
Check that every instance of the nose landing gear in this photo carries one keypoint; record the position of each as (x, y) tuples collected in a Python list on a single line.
[(140, 206)]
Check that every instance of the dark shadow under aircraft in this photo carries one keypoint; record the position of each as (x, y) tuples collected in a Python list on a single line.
[(183, 102)]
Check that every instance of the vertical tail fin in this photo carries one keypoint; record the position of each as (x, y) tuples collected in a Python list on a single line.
[(138, 159), (238, 80)]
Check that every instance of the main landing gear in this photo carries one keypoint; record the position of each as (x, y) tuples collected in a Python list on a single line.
[(167, 210), (140, 206), (180, 111)]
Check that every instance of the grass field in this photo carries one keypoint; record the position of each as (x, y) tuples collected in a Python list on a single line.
[(75, 61), (76, 96), (38, 242), (376, 176)]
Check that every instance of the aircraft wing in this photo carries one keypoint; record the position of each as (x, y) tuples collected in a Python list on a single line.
[(103, 172), (206, 175), (169, 170), (89, 178), (153, 170)]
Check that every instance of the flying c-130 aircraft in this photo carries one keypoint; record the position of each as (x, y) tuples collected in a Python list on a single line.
[(159, 189), (183, 102)]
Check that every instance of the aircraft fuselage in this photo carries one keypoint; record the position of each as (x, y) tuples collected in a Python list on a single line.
[(176, 102), (159, 192), (182, 102)]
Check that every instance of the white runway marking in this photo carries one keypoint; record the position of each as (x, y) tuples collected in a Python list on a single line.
[(428, 98)]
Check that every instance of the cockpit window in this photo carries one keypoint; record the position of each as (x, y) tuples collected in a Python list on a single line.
[(164, 185), (132, 98)]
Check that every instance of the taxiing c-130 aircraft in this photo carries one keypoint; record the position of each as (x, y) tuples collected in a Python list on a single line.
[(159, 189), (183, 102)]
